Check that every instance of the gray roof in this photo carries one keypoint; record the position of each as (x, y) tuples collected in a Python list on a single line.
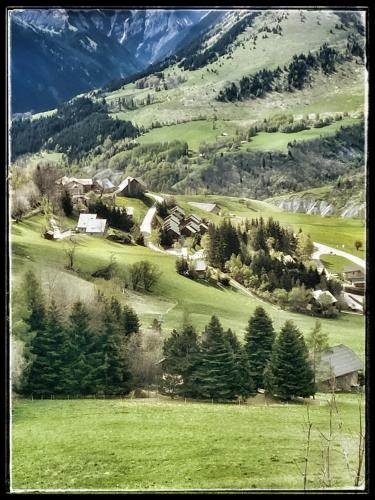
[(350, 269), (172, 226), (337, 361)]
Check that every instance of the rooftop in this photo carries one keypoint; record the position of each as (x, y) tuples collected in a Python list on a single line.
[(337, 361)]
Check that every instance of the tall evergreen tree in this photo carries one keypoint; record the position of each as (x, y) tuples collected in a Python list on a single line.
[(81, 362), (181, 351), (259, 339), (46, 374), (130, 321), (112, 376), (317, 342), (289, 373), (35, 302), (216, 374)]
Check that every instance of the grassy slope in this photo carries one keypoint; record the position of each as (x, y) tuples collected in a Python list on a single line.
[(342, 91), (175, 296), (335, 263), (178, 445)]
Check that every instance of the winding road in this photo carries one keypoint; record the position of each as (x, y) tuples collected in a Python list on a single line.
[(325, 249)]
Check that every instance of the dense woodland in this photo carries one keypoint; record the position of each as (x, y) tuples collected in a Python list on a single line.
[(76, 128)]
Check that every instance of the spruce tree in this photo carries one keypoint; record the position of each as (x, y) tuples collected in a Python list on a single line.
[(181, 351), (216, 374), (112, 376), (35, 301), (80, 364), (46, 375), (130, 321), (259, 339), (288, 372)]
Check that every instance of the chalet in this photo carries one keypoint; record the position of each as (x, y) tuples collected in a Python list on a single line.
[(96, 227), (323, 297), (105, 185), (338, 368), (212, 208), (172, 229), (131, 187), (178, 212), (83, 220), (354, 275), (200, 268), (76, 186), (173, 218)]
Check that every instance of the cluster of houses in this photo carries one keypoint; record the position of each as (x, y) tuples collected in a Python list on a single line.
[(177, 224), (104, 182)]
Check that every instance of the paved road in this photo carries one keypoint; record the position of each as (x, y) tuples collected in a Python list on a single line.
[(325, 249)]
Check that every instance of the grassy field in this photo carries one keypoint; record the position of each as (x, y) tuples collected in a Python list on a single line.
[(335, 263), (140, 209), (175, 297), (279, 140), (161, 444)]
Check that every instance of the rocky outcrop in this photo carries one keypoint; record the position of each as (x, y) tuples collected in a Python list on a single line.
[(308, 204)]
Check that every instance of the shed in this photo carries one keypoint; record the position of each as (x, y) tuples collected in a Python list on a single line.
[(338, 368), (200, 267), (131, 187)]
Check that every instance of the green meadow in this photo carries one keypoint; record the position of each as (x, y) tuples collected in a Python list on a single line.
[(175, 298), (156, 444)]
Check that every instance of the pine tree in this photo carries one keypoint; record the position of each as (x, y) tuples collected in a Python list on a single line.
[(216, 374), (112, 376), (81, 362), (35, 301), (66, 203), (288, 372), (181, 351), (46, 374), (259, 339), (130, 321)]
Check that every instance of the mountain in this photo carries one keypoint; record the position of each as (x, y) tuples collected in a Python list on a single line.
[(59, 53)]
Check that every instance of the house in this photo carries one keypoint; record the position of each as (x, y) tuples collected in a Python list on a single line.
[(105, 185), (200, 268), (355, 276), (178, 212), (172, 229), (172, 218), (131, 187), (338, 368), (96, 227), (190, 229), (324, 297), (83, 220), (207, 207), (76, 186)]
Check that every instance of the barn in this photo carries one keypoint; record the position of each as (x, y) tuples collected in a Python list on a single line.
[(338, 368), (131, 187)]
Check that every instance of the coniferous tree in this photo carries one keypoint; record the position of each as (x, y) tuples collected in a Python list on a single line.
[(81, 359), (35, 301), (46, 374), (66, 203), (112, 376), (181, 351), (289, 373), (130, 321), (216, 374), (259, 339)]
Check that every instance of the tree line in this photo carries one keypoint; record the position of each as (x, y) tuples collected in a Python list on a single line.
[(87, 354), (116, 216), (216, 366), (77, 126), (294, 76)]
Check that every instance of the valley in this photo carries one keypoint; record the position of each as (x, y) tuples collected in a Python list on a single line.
[(187, 218)]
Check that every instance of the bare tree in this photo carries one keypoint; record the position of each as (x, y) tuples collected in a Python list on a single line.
[(70, 252)]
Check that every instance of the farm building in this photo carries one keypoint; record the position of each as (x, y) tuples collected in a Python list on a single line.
[(212, 208), (338, 368), (108, 174), (105, 185), (200, 267), (355, 276), (172, 229), (131, 187), (76, 186), (178, 212), (89, 224), (323, 297)]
